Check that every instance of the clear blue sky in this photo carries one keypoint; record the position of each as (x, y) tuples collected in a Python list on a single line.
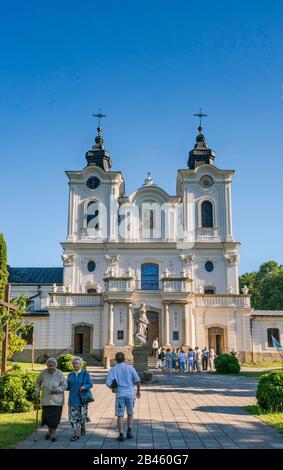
[(149, 65)]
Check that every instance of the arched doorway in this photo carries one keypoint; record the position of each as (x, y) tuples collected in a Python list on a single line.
[(153, 329), (82, 339), (216, 339)]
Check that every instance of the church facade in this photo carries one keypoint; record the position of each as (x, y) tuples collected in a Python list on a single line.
[(176, 254)]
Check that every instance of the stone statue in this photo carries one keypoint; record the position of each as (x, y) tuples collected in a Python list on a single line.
[(141, 325)]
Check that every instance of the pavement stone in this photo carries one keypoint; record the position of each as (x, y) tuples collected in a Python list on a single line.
[(175, 411)]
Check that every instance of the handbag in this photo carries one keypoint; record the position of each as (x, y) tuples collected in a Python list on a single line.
[(114, 384), (85, 395)]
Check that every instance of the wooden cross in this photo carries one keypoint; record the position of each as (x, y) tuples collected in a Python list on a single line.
[(6, 303)]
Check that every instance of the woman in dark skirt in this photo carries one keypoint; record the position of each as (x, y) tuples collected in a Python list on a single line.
[(53, 384)]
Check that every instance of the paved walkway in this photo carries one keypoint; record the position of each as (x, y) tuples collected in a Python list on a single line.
[(199, 410)]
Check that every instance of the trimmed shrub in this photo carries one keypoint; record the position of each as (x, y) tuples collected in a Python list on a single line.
[(227, 364), (65, 363), (28, 381), (270, 391), (13, 397)]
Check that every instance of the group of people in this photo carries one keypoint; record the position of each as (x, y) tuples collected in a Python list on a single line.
[(122, 379), (51, 384), (183, 361)]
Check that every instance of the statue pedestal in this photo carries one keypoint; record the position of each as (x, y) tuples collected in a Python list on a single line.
[(140, 359)]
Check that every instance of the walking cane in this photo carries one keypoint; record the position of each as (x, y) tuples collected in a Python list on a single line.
[(36, 417)]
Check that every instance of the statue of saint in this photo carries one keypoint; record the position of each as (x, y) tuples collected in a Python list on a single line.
[(141, 325)]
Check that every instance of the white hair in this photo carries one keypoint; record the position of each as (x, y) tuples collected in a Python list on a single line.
[(51, 360), (77, 358)]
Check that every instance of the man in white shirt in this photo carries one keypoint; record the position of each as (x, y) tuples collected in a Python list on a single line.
[(154, 346), (126, 379)]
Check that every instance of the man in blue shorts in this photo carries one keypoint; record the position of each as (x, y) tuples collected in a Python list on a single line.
[(126, 379)]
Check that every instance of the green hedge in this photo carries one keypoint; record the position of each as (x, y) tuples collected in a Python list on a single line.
[(65, 362), (227, 364), (17, 391), (270, 391)]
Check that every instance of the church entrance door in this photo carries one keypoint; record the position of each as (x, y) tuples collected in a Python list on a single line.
[(153, 329), (82, 339), (216, 339)]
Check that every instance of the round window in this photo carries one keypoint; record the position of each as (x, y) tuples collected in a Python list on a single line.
[(91, 266), (209, 266)]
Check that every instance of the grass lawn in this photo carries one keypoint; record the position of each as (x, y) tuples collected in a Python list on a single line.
[(254, 374), (273, 419), (14, 427), (26, 365), (263, 364)]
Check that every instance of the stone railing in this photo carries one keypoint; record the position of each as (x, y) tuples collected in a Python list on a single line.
[(119, 284), (77, 300), (206, 232), (228, 300), (176, 284)]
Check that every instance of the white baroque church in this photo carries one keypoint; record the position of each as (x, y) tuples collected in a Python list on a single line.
[(176, 254)]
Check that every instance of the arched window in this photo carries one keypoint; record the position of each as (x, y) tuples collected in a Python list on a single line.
[(275, 333), (93, 216), (206, 214), (149, 276)]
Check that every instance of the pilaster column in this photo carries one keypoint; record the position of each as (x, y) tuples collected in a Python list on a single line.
[(186, 337), (166, 337), (110, 324), (192, 328), (130, 326)]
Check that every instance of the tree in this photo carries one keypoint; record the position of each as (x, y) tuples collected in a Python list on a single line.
[(17, 328), (3, 281), (266, 286)]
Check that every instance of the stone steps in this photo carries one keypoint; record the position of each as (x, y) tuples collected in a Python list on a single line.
[(90, 360)]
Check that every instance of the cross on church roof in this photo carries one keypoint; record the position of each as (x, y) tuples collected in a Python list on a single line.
[(99, 115), (200, 115)]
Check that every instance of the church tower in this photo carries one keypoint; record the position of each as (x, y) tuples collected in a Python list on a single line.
[(92, 216), (206, 194)]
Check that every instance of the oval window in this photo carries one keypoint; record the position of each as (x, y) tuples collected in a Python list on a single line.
[(91, 266), (209, 266)]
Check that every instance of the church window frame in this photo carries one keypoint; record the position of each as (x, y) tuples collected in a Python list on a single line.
[(95, 215), (149, 276), (201, 201), (275, 332), (175, 335), (207, 214)]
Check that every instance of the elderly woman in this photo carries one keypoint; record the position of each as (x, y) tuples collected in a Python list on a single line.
[(53, 384), (78, 380)]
